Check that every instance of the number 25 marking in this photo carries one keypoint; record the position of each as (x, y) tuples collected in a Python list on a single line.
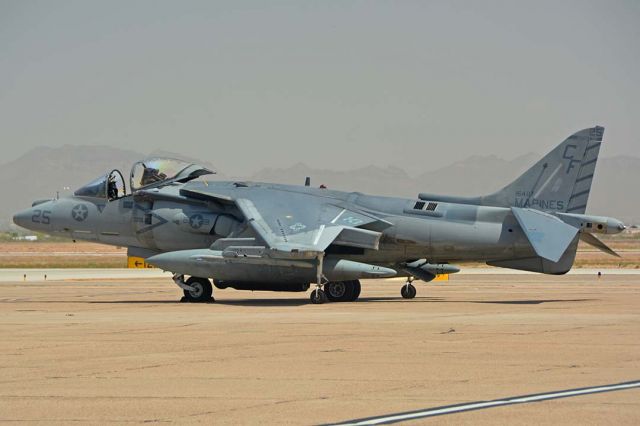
[(41, 216)]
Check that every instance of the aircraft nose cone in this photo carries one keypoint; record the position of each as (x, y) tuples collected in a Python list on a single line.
[(22, 218)]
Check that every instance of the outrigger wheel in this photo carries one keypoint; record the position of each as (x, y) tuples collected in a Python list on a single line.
[(408, 291), (201, 292), (318, 296)]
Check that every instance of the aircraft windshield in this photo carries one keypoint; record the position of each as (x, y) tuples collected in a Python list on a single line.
[(156, 171), (110, 186), (97, 188)]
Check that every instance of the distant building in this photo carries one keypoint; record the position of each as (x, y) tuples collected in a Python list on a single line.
[(26, 238)]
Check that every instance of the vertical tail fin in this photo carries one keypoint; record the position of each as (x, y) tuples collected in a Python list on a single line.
[(560, 182), (580, 194)]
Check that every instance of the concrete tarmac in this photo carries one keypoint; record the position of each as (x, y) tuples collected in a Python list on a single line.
[(97, 351)]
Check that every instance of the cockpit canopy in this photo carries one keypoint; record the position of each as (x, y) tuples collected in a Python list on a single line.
[(149, 173), (160, 171)]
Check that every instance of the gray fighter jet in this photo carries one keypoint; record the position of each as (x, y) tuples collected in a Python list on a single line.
[(263, 236)]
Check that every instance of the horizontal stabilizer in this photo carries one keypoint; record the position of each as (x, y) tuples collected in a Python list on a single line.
[(548, 235), (595, 242)]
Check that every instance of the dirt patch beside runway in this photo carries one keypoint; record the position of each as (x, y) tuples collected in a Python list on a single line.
[(116, 351), (29, 255)]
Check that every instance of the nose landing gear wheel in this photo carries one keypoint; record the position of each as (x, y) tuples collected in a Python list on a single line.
[(408, 291), (201, 292), (318, 296)]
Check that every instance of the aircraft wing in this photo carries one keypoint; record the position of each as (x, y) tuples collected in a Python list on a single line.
[(299, 222)]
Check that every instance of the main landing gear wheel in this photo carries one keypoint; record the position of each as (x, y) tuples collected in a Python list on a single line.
[(408, 291), (201, 292), (338, 291), (342, 291), (318, 296), (356, 290)]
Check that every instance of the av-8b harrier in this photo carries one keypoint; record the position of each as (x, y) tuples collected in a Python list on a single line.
[(263, 236)]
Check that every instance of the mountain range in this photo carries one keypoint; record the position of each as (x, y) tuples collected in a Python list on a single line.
[(45, 171)]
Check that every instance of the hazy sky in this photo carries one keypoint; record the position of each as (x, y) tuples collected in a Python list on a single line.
[(334, 84)]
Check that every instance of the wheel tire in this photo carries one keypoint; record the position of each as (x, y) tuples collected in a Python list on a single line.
[(220, 284), (202, 290), (339, 291), (318, 296), (408, 291), (356, 291)]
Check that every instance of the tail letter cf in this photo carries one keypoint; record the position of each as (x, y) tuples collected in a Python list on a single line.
[(569, 156)]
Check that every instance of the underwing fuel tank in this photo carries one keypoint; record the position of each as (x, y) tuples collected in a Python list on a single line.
[(219, 265), (425, 271)]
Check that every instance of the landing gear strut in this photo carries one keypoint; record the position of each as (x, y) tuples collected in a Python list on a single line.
[(195, 289), (318, 296), (408, 291)]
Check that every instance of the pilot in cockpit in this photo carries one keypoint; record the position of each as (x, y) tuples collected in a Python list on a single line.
[(151, 175), (112, 188)]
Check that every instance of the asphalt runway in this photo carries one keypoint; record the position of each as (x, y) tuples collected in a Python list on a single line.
[(94, 351)]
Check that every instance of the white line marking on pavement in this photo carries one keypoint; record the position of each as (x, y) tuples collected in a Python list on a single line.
[(451, 409)]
